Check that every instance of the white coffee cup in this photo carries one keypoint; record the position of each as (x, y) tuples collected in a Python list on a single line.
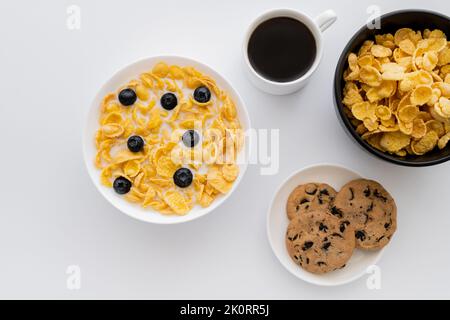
[(316, 26)]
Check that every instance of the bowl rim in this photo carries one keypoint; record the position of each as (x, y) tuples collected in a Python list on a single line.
[(337, 91), (269, 233), (85, 139)]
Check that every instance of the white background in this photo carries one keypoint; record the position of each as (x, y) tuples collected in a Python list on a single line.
[(51, 215)]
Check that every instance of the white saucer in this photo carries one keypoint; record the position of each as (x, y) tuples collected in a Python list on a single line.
[(277, 222)]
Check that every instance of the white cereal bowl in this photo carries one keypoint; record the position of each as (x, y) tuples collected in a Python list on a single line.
[(122, 77), (277, 223)]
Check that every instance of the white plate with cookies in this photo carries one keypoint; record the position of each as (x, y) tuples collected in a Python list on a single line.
[(278, 221)]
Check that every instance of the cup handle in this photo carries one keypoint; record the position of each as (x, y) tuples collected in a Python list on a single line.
[(325, 19)]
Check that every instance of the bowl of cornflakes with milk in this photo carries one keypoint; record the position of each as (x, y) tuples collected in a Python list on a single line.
[(165, 140), (392, 87)]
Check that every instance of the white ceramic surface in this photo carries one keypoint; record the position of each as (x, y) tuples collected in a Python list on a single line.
[(317, 26), (277, 223), (123, 76), (52, 216)]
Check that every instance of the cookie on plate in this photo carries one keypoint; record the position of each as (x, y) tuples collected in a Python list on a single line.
[(370, 209), (309, 196), (319, 242)]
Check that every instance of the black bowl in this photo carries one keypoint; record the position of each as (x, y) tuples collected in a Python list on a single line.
[(390, 22)]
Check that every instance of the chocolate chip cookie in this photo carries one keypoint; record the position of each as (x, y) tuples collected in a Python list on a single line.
[(310, 196), (370, 209), (319, 242)]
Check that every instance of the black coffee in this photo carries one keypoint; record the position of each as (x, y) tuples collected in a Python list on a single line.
[(282, 49)]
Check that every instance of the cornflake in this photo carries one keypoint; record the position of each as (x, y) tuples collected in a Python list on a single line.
[(397, 91), (151, 170)]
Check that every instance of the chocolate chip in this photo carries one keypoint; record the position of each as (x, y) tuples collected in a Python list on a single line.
[(337, 235), (370, 208), (378, 240), (322, 193), (307, 245), (303, 201), (320, 263), (307, 260), (367, 192), (326, 245), (295, 237), (323, 227), (344, 224), (387, 226), (367, 217), (361, 235), (352, 194), (377, 194), (336, 212), (311, 192)]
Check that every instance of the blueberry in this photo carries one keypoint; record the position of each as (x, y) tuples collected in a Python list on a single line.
[(202, 94), (190, 138), (183, 177), (127, 97), (169, 101), (135, 143), (122, 185)]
